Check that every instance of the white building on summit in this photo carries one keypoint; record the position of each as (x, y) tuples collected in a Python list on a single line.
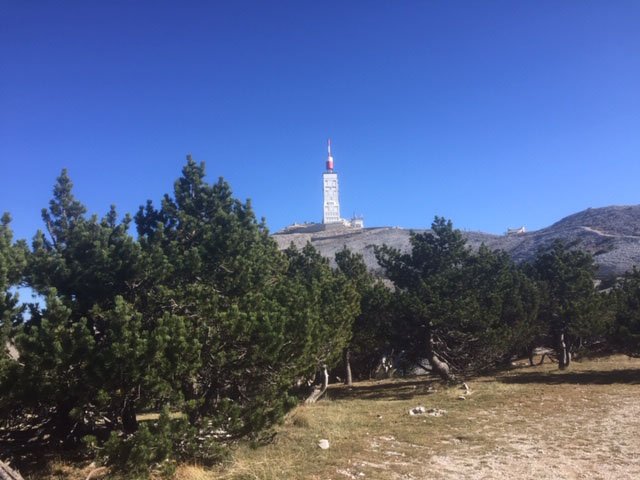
[(331, 197), (331, 219)]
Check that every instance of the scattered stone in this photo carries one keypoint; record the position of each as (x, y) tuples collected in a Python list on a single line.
[(394, 454), (346, 473), (419, 410), (323, 444), (433, 412), (436, 412)]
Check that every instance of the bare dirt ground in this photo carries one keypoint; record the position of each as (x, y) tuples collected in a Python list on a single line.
[(530, 422), (526, 423), (583, 424)]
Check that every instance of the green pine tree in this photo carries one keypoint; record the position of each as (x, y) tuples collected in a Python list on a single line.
[(459, 309), (568, 296), (12, 264), (96, 352), (625, 333), (325, 302), (429, 283), (371, 337), (216, 266)]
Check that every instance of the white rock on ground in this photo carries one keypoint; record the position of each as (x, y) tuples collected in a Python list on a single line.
[(419, 410), (436, 412)]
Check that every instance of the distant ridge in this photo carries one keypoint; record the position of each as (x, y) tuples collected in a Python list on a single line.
[(611, 234), (615, 220)]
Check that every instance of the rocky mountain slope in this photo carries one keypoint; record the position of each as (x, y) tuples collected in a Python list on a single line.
[(611, 234)]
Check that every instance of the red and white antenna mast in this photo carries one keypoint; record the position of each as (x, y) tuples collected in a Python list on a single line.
[(329, 157)]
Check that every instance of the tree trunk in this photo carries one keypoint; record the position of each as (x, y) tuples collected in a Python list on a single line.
[(62, 424), (7, 473), (319, 388), (564, 357), (348, 379), (129, 420), (531, 355), (438, 366)]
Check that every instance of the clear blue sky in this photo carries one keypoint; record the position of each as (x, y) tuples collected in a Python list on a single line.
[(491, 113)]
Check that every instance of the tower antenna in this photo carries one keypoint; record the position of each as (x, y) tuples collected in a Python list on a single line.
[(329, 157)]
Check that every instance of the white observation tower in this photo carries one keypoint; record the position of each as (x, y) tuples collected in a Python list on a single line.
[(331, 210)]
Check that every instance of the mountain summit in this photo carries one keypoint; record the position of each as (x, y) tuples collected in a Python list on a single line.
[(610, 234)]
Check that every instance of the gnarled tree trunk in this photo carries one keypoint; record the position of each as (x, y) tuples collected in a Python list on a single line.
[(348, 379), (564, 356), (438, 366), (129, 420), (319, 388)]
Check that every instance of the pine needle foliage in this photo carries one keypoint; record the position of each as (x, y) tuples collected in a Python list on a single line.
[(626, 326), (199, 316), (12, 263), (460, 310)]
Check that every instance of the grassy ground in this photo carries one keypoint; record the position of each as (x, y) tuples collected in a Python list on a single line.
[(525, 423)]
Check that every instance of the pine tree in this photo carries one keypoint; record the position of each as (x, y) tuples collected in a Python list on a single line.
[(626, 326), (429, 283), (257, 327), (201, 314), (54, 381), (325, 305), (95, 352), (80, 265), (372, 327), (12, 264), (501, 305), (88, 261), (457, 308), (568, 295)]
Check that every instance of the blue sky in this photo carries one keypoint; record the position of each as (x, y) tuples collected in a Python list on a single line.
[(494, 114)]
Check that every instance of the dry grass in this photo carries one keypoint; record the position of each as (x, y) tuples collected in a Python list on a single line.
[(147, 417), (63, 470), (192, 472), (525, 423)]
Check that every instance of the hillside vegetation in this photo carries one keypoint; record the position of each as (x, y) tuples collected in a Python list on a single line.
[(197, 335), (610, 234)]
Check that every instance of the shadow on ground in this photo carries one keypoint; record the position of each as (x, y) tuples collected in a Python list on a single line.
[(32, 459), (386, 390), (591, 377)]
